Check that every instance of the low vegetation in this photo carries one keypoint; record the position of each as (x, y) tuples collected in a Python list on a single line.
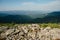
[(52, 25)]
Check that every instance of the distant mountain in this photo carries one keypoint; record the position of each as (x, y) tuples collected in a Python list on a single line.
[(54, 14), (32, 14), (15, 19), (51, 17), (3, 14), (19, 16), (29, 17)]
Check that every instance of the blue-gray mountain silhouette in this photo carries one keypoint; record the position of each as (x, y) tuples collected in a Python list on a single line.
[(20, 17)]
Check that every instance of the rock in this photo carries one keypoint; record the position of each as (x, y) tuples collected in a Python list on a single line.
[(16, 32), (25, 29), (2, 29), (2, 36), (21, 33), (9, 31), (57, 39), (30, 32), (47, 29)]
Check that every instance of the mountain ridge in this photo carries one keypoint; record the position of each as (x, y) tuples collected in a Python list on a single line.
[(22, 18)]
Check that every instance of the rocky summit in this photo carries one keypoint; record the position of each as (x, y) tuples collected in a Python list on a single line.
[(29, 32)]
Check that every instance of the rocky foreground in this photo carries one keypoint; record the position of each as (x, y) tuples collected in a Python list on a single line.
[(29, 32)]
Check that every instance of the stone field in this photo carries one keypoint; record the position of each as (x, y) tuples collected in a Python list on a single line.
[(29, 32)]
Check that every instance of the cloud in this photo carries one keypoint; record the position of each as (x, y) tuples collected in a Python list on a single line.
[(51, 6)]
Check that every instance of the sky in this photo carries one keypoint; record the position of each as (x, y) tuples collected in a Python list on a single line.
[(31, 5)]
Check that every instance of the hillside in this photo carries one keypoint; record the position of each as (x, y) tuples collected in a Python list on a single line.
[(15, 19), (51, 17), (29, 17)]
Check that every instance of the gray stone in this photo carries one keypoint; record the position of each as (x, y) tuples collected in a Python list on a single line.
[(9, 31), (30, 32)]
